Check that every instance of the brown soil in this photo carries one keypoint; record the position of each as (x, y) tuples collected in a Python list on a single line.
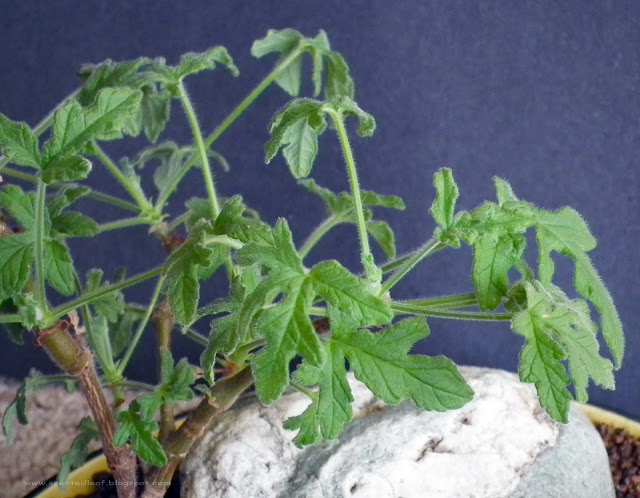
[(624, 459)]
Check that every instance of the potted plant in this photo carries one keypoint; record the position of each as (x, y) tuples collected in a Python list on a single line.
[(278, 310)]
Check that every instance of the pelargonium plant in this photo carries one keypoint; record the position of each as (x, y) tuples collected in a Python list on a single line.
[(280, 315)]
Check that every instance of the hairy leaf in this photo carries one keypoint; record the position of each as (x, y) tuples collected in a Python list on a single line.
[(17, 409), (65, 197), (492, 261), (556, 329), (349, 294), (66, 169), (16, 259), (176, 381), (74, 224), (76, 456), (75, 126), (132, 427), (297, 128), (18, 143), (111, 305), (58, 267), (288, 331), (381, 361)]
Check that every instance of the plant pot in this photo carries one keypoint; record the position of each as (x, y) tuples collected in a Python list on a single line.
[(80, 479)]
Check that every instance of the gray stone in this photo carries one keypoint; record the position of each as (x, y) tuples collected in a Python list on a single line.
[(502, 444)]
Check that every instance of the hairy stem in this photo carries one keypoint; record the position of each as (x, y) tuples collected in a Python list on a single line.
[(202, 149), (367, 257), (320, 231), (445, 302), (96, 195), (134, 191), (88, 297), (164, 322), (72, 356), (429, 248), (141, 326), (408, 309), (223, 395), (228, 121), (41, 297)]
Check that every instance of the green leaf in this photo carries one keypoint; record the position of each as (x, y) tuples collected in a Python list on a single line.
[(17, 409), (297, 128), (65, 197), (58, 267), (367, 123), (108, 74), (381, 361), (75, 126), (332, 408), (383, 234), (280, 255), (74, 224), (66, 169), (349, 294), (20, 205), (175, 386), (29, 310), (111, 305), (100, 342), (492, 261), (307, 425), (566, 232), (18, 143), (191, 262), (557, 329), (16, 259), (77, 454), (444, 205), (286, 41), (121, 332), (132, 427), (155, 113), (288, 331), (232, 222), (192, 63), (339, 81)]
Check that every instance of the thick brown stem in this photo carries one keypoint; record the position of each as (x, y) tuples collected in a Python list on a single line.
[(164, 322), (71, 355), (223, 395)]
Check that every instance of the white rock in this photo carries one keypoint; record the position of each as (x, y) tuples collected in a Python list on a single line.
[(499, 445)]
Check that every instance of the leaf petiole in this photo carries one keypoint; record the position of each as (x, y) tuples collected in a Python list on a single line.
[(88, 297), (228, 121), (407, 309), (39, 245), (122, 364), (320, 231), (429, 248)]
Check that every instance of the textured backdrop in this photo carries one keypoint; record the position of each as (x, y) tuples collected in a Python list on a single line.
[(544, 94)]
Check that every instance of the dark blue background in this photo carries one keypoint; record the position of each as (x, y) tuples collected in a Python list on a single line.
[(545, 94)]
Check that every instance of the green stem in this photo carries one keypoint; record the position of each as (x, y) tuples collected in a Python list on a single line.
[(39, 245), (320, 231), (446, 302), (202, 149), (88, 297), (10, 318), (140, 386), (195, 336), (404, 309), (141, 326), (143, 204), (124, 223), (429, 248), (99, 196), (228, 121), (43, 125), (367, 257)]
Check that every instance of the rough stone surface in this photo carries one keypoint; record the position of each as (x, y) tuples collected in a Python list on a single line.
[(502, 444)]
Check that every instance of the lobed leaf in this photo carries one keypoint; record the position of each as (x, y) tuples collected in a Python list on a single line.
[(18, 143), (132, 427)]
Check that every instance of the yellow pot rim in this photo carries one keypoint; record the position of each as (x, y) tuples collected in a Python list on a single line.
[(80, 479)]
